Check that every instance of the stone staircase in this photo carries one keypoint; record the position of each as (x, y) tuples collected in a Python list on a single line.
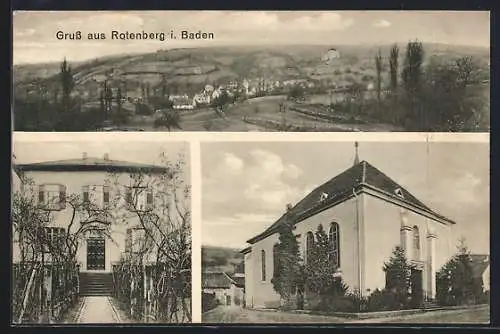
[(96, 284), (430, 304)]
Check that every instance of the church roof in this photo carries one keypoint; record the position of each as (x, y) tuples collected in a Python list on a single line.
[(340, 188), (89, 164)]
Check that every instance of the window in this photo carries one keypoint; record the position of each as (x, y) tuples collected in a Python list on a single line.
[(416, 243), (128, 241), (139, 198), (309, 246), (276, 259), (52, 196), (334, 239), (263, 264), (135, 240), (54, 238)]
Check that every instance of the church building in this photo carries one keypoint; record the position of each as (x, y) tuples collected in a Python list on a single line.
[(366, 215)]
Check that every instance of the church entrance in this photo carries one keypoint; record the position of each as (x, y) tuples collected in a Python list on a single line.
[(417, 293), (96, 253)]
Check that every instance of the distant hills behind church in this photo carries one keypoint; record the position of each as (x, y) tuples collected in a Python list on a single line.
[(221, 259)]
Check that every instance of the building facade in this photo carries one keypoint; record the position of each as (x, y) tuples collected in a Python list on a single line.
[(366, 215), (108, 201), (228, 291)]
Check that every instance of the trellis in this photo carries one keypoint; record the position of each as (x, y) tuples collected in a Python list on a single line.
[(43, 292), (153, 292)]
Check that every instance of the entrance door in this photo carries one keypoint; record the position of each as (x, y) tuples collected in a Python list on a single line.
[(96, 252), (417, 293)]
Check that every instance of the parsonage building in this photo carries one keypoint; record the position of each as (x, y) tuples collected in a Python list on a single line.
[(366, 215), (97, 199)]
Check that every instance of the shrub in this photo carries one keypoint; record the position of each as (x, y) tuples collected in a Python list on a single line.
[(384, 300), (455, 282), (484, 298)]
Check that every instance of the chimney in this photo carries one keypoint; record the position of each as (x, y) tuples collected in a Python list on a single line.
[(84, 155), (106, 156), (356, 156), (289, 207)]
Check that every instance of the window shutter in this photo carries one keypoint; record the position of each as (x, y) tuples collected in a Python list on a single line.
[(85, 191), (128, 196), (105, 197), (41, 194), (149, 199), (62, 197), (128, 241)]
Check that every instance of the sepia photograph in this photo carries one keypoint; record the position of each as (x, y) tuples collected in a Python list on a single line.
[(101, 230), (342, 231), (242, 71)]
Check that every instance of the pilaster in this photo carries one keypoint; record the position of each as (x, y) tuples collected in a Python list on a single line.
[(431, 263)]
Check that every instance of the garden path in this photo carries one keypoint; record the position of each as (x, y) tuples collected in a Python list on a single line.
[(98, 309)]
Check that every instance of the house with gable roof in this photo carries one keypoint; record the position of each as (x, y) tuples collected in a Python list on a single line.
[(228, 291), (366, 214)]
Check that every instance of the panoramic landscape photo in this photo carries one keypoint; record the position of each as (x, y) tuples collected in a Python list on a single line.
[(252, 71)]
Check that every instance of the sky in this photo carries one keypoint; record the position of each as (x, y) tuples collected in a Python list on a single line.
[(34, 33), (29, 148), (246, 185)]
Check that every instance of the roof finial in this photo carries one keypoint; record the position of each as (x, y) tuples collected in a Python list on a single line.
[(356, 156)]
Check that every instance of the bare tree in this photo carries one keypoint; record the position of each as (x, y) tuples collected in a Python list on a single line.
[(160, 203)]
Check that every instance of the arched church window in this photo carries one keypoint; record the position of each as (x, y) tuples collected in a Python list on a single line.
[(263, 264), (309, 245), (416, 243), (334, 239)]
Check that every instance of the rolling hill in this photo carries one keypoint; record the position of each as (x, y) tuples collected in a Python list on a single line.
[(221, 259), (198, 66)]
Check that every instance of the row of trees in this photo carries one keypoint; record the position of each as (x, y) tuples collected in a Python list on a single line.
[(316, 284), (165, 246), (424, 94)]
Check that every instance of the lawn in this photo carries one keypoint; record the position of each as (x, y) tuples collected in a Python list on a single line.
[(225, 314), (471, 316)]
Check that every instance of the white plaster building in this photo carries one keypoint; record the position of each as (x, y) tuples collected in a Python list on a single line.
[(94, 180), (366, 215), (228, 291)]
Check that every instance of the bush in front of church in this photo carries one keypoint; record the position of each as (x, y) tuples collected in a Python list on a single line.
[(455, 281), (383, 300)]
